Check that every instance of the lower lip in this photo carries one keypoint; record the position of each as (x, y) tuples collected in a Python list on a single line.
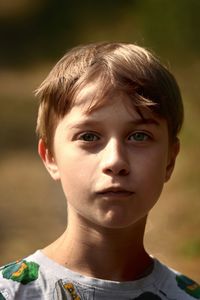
[(116, 195)]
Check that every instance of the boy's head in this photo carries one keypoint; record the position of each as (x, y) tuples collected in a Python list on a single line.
[(114, 67)]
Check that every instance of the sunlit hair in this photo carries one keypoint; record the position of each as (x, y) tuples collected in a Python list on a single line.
[(114, 67)]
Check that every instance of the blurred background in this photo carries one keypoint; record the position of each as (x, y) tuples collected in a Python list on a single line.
[(34, 35)]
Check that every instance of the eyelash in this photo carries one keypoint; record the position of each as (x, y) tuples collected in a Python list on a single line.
[(95, 137), (145, 135), (81, 136)]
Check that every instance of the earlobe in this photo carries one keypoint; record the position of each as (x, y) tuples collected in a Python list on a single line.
[(48, 160), (173, 152)]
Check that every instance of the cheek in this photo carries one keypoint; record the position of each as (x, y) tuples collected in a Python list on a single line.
[(152, 171), (76, 172)]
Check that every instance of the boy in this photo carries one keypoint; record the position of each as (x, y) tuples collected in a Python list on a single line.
[(108, 123)]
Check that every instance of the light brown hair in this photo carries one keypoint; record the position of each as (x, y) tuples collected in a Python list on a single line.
[(115, 66)]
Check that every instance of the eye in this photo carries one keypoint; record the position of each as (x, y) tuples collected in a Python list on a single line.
[(139, 136), (88, 137)]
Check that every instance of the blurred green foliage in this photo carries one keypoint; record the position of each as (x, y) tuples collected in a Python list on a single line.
[(45, 32), (191, 248)]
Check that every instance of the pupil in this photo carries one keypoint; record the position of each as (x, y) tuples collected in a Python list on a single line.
[(139, 136), (89, 137)]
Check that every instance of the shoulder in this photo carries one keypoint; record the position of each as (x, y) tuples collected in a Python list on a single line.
[(188, 285), (15, 276), (34, 277), (21, 279), (175, 285)]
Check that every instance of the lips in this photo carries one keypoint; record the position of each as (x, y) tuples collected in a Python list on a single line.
[(115, 192)]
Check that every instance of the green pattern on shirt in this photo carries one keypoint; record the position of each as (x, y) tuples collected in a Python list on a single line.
[(189, 286), (23, 271)]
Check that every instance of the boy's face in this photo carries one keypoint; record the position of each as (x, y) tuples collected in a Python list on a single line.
[(111, 162)]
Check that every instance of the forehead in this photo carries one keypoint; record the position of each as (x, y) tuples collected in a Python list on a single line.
[(92, 97), (86, 95), (116, 107)]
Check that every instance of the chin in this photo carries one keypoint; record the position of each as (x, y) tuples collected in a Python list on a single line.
[(116, 221)]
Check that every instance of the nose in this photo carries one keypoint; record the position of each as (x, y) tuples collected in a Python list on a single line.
[(114, 159)]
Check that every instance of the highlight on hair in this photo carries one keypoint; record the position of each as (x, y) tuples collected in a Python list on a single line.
[(114, 67)]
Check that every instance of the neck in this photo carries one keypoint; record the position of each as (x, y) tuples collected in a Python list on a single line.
[(112, 254)]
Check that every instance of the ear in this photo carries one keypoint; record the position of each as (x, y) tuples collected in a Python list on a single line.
[(48, 160), (174, 149)]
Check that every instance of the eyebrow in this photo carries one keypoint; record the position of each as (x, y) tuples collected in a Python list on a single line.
[(135, 122)]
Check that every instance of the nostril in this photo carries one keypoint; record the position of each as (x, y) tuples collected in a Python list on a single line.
[(117, 171), (123, 172)]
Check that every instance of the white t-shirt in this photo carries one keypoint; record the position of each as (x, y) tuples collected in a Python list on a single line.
[(38, 277)]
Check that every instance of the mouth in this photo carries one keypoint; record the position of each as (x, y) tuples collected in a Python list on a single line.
[(115, 192)]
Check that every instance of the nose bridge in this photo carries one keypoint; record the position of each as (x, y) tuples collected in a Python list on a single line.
[(114, 158), (114, 148)]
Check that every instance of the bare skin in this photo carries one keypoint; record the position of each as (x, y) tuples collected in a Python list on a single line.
[(117, 255)]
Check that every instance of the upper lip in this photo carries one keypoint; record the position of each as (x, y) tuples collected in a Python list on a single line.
[(114, 190)]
